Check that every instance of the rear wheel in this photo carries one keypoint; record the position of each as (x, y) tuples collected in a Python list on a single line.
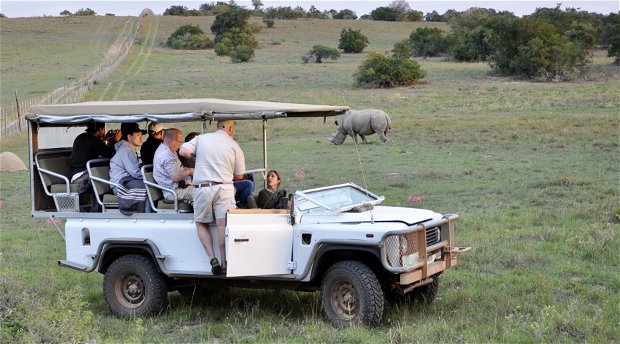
[(351, 294), (132, 286)]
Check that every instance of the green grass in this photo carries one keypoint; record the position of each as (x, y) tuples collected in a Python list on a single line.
[(532, 169)]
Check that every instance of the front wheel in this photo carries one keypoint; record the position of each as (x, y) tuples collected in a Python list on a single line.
[(132, 286), (351, 294)]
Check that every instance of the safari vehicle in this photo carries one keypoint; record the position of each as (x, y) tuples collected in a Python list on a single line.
[(338, 239)]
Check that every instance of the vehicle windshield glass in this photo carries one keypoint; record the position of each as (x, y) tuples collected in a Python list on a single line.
[(338, 198)]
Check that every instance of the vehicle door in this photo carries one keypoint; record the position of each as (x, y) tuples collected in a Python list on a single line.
[(258, 244)]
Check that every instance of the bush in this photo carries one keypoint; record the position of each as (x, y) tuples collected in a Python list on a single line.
[(189, 37), (269, 22), (427, 42), (402, 49), (382, 70), (352, 41), (224, 47), (242, 53), (384, 14), (319, 52)]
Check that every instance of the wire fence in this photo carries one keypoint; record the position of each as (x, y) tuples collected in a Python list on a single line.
[(13, 121)]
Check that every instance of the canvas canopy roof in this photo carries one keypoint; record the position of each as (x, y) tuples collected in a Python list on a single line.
[(174, 110)]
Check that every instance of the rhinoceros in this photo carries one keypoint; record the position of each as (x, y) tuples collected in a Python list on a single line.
[(361, 122)]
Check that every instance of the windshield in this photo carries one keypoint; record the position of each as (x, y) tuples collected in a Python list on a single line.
[(337, 198)]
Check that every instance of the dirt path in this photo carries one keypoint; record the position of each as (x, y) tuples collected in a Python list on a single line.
[(115, 87)]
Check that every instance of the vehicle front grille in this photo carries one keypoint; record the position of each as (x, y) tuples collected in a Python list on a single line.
[(402, 249)]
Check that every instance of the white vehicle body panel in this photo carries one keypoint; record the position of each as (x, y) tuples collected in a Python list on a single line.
[(258, 244)]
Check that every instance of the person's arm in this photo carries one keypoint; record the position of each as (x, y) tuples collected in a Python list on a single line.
[(188, 149), (130, 161), (177, 173), (104, 150)]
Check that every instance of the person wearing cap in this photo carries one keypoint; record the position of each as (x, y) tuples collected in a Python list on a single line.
[(87, 146), (167, 168), (124, 164), (156, 137), (219, 159)]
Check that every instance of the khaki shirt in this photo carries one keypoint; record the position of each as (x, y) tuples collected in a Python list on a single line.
[(218, 158)]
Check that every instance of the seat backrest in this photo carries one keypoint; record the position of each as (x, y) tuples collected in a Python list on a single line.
[(154, 193), (102, 172), (60, 165), (252, 204)]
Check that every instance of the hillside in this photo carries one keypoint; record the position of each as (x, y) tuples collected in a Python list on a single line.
[(531, 168)]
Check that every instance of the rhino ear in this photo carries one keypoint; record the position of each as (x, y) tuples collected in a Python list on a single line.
[(336, 122)]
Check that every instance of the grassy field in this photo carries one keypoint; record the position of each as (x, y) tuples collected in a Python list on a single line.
[(532, 168)]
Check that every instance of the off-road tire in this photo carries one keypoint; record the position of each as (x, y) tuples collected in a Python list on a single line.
[(426, 294), (351, 294), (132, 286)]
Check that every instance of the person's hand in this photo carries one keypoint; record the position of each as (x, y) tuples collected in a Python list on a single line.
[(118, 135)]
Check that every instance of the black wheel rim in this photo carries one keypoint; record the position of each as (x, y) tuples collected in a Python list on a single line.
[(129, 290), (345, 300)]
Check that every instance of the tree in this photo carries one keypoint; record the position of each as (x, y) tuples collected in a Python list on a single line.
[(85, 12), (384, 14), (434, 17), (352, 41), (176, 10), (345, 14), (428, 42), (413, 16), (66, 13), (381, 70), (231, 29), (257, 4), (610, 36), (400, 6), (319, 52)]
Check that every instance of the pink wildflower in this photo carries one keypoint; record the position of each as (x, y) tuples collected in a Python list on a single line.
[(413, 199)]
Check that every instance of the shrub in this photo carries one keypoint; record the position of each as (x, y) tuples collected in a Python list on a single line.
[(352, 41), (382, 70), (189, 37), (242, 53), (384, 13), (428, 42), (319, 52), (269, 22), (402, 49), (85, 12), (257, 27), (224, 47)]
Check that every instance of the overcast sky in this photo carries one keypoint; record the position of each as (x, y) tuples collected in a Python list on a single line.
[(28, 8)]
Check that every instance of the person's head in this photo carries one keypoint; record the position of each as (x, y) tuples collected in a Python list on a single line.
[(156, 130), (273, 180), (227, 125), (132, 133), (96, 128), (191, 136), (173, 138)]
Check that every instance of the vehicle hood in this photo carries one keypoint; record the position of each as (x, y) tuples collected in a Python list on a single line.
[(409, 216)]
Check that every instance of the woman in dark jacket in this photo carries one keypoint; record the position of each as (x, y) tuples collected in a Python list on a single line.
[(269, 197)]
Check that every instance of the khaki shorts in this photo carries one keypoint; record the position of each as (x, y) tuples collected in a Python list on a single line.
[(214, 200)]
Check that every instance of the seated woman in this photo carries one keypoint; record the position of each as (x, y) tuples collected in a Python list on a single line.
[(269, 197)]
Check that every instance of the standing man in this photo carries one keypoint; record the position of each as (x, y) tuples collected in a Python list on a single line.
[(167, 169), (156, 137), (219, 159)]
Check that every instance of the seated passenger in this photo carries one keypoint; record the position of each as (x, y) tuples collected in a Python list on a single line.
[(88, 146), (270, 197), (243, 189), (125, 170), (156, 137), (167, 168)]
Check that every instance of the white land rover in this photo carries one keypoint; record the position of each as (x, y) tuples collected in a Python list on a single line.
[(337, 239)]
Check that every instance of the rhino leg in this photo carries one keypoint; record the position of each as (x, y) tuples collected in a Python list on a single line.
[(363, 138), (382, 136)]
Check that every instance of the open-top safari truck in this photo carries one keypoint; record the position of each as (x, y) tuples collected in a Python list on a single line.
[(337, 239)]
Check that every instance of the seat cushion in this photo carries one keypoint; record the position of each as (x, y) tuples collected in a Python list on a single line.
[(62, 188), (183, 207), (110, 198)]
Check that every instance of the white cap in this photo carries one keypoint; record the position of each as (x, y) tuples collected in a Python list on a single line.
[(155, 127)]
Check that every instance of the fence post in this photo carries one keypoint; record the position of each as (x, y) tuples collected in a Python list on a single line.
[(19, 123)]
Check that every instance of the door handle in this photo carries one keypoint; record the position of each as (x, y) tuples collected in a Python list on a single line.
[(242, 240)]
